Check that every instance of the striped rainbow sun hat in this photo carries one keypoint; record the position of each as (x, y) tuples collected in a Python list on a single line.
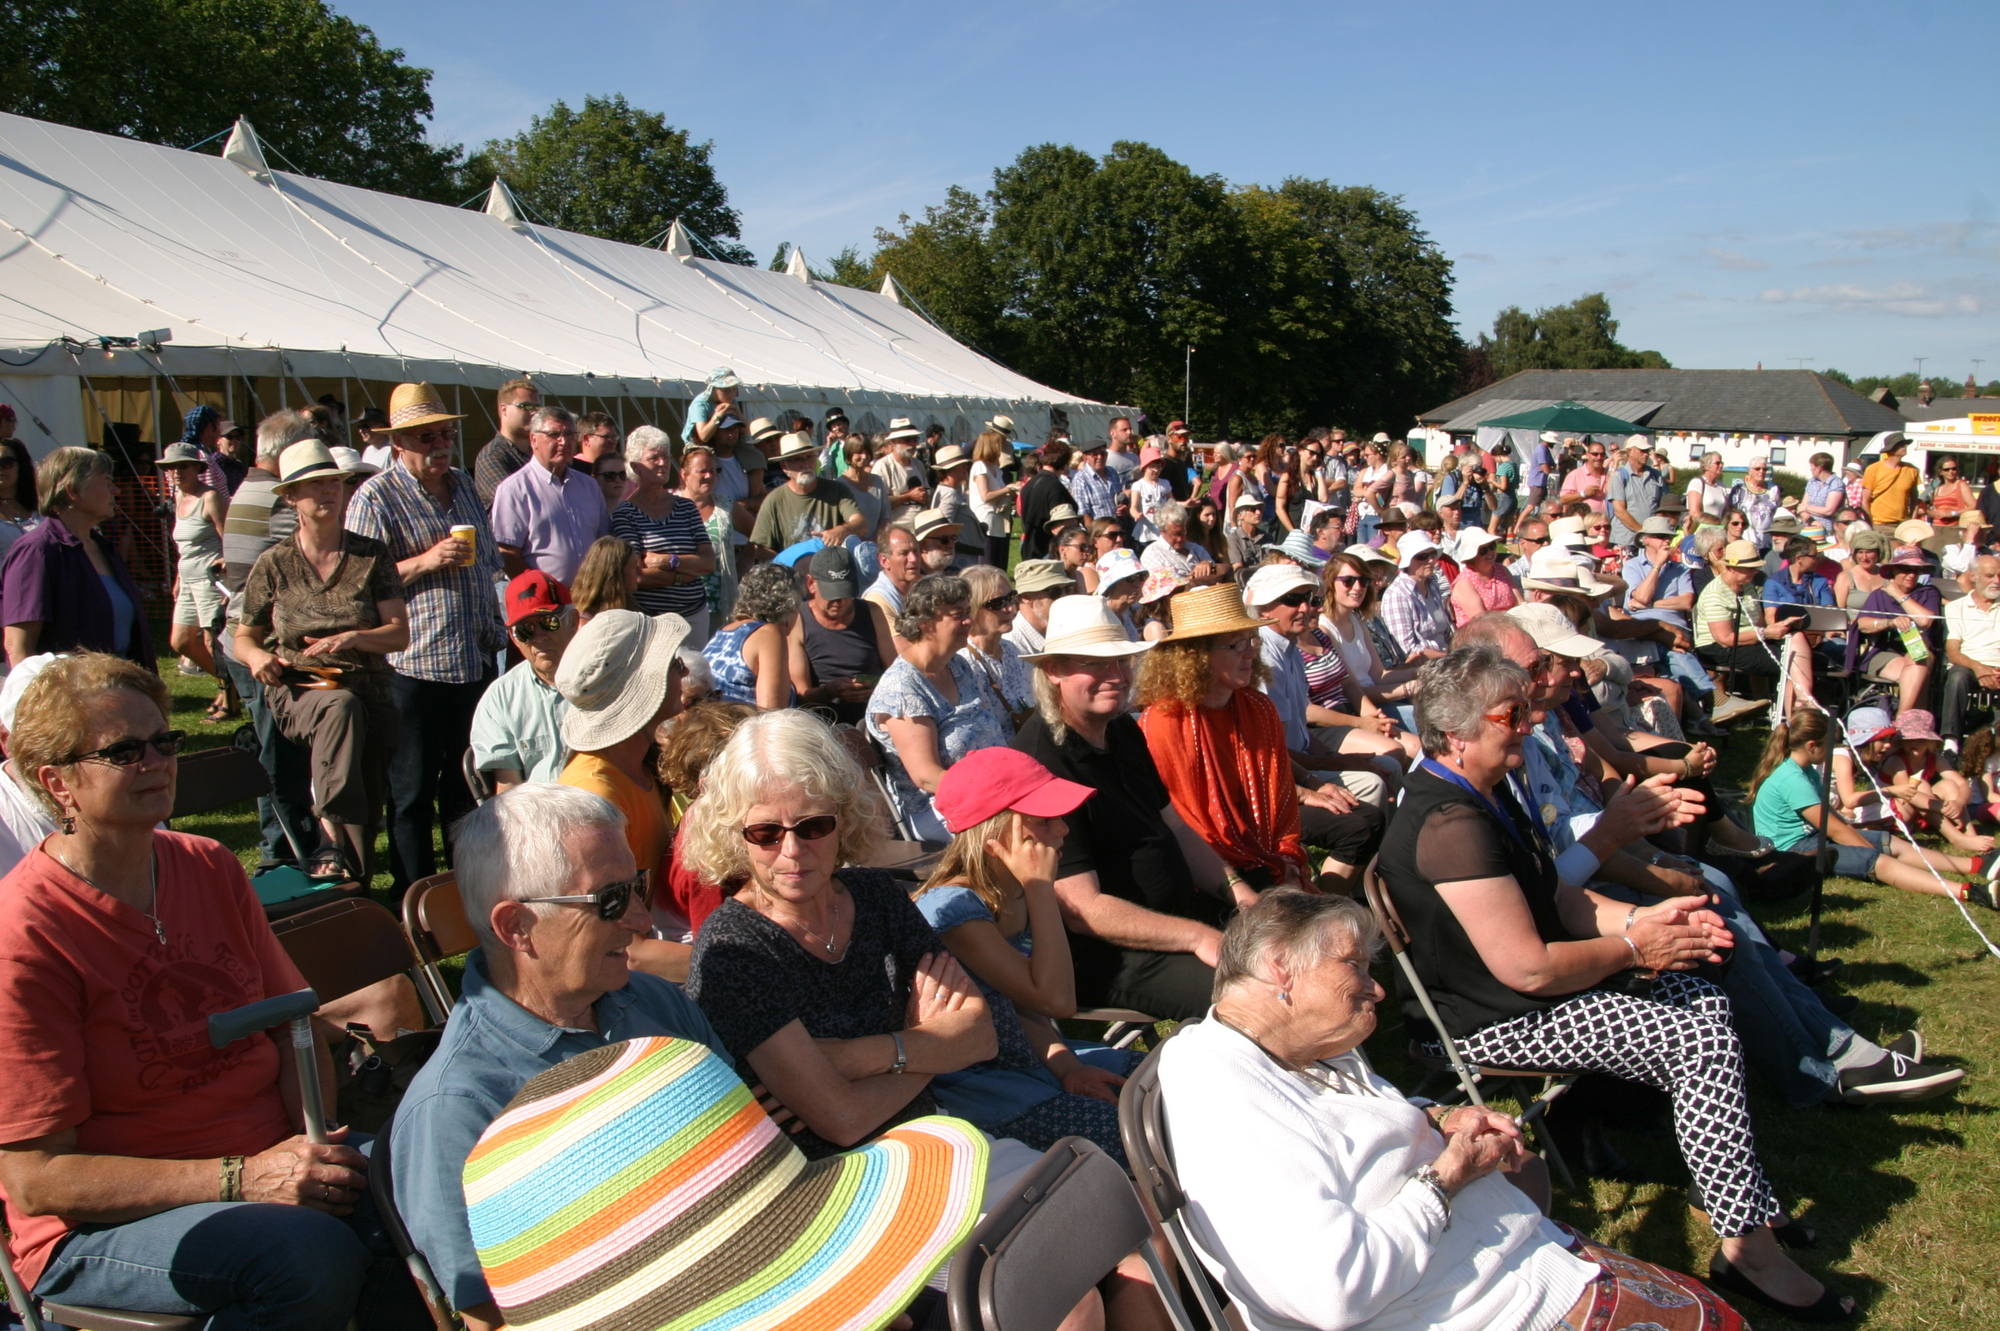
[(639, 1187)]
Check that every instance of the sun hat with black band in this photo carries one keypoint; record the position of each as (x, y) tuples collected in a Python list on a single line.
[(900, 429), (934, 522), (418, 404), (1004, 424), (1082, 625), (640, 1186), (614, 675), (988, 782), (1209, 612), (765, 428), (307, 460), (951, 455), (1033, 577), (1741, 554), (1552, 630), (1553, 570), (1274, 582), (1061, 514)]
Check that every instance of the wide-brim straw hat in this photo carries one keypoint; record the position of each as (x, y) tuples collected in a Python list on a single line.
[(1085, 626), (901, 428), (182, 455), (1741, 554), (951, 455), (640, 1186), (799, 445), (614, 675), (934, 522), (412, 405), (1060, 514), (765, 428), (1208, 612), (307, 460)]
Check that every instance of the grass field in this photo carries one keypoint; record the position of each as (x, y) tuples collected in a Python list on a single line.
[(1907, 1202)]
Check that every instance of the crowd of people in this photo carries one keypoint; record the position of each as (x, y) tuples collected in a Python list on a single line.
[(714, 689)]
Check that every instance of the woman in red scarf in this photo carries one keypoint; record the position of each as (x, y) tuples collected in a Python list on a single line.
[(1220, 748)]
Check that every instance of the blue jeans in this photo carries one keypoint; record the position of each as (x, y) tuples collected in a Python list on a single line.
[(247, 1264), (1859, 861), (1686, 669)]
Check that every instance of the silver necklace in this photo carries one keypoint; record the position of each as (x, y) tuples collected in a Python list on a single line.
[(826, 940), (152, 891)]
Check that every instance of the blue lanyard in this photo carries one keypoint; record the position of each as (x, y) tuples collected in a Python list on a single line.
[(1444, 773)]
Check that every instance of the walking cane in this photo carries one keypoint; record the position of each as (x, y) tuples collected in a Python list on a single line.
[(294, 1010)]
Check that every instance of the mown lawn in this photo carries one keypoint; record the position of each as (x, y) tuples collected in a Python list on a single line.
[(1906, 1201)]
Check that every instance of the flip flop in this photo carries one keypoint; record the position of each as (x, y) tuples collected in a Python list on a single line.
[(1826, 1308)]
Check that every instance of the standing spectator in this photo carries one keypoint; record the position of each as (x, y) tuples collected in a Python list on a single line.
[(951, 465), (1635, 492), (1825, 496), (546, 515), (666, 529), (63, 587), (254, 522), (231, 456), (454, 615), (1150, 493), (371, 436), (607, 579), (517, 729), (1541, 461), (198, 520), (1889, 486), (838, 436), (1506, 484), (597, 438), (698, 476), (1756, 496), (1707, 496), (1952, 494), (1592, 479), (1857, 493), (507, 452), (991, 495), (866, 487), (1095, 485), (903, 478), (1119, 454), (1040, 497), (321, 609), (807, 504), (1179, 469), (18, 515)]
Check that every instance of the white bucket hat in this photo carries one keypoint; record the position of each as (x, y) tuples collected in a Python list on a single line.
[(614, 675)]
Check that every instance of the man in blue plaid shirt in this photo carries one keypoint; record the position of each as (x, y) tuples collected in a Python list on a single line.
[(1094, 486)]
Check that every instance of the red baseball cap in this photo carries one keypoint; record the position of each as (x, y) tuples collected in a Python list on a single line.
[(533, 593), (1177, 427), (986, 782)]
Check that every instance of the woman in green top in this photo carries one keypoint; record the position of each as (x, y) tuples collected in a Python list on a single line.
[(1790, 801)]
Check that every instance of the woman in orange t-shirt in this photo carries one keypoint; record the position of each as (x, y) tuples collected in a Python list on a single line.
[(124, 1130)]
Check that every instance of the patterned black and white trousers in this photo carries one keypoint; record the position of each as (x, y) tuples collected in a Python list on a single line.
[(1678, 1039)]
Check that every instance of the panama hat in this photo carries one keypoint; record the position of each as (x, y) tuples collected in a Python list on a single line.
[(900, 428), (614, 675), (1568, 533), (1085, 626), (1658, 525), (764, 428), (640, 1186), (951, 455), (1034, 576), (798, 445), (1552, 631), (1060, 514), (933, 522), (412, 405), (1367, 554), (350, 461), (1741, 554), (1004, 424), (182, 455), (1208, 612), (307, 460), (1552, 570)]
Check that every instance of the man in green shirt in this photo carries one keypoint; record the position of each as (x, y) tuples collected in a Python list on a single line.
[(807, 504)]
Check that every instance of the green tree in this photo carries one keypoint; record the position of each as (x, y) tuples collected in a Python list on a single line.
[(1581, 335), (323, 93), (945, 262), (613, 170)]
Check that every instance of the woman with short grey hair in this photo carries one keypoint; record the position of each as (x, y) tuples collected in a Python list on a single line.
[(750, 656), (675, 553), (1290, 1146), (932, 706)]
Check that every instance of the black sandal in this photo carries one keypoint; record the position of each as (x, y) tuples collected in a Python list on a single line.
[(328, 867), (1793, 1234), (1828, 1307)]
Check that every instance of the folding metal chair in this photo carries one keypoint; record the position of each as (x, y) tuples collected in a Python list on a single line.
[(1122, 1025), (1142, 1126), (382, 1188), (1038, 1250), (434, 921), (478, 782), (1469, 1076), (32, 1312)]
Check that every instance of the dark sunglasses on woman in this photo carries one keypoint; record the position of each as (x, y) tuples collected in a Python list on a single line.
[(127, 752), (806, 829)]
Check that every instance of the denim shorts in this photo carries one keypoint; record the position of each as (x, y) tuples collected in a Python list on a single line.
[(1859, 861)]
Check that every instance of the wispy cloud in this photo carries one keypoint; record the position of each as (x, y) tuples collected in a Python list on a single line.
[(1904, 298), (1736, 261)]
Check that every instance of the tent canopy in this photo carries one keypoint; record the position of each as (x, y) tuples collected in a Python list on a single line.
[(246, 271), (1565, 417)]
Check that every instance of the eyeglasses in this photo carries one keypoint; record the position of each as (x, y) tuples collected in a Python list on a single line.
[(126, 752), (427, 438), (1232, 645), (1516, 717), (1531, 540), (616, 474), (1003, 603), (612, 900), (816, 828), (1299, 598), (555, 434), (526, 405), (548, 623)]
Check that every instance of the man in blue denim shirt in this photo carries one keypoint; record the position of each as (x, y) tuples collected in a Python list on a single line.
[(550, 886)]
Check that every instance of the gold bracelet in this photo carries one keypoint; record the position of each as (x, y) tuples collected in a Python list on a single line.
[(232, 1178)]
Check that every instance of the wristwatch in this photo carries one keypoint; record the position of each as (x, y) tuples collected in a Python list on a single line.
[(1429, 1177)]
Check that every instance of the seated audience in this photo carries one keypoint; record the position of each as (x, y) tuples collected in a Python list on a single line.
[(687, 743), (902, 565), (550, 887), (1174, 553), (517, 729), (142, 1167), (1349, 600), (1483, 583), (1516, 961), (932, 707), (1219, 744), (1971, 646), (1731, 631), (621, 677), (750, 655), (1121, 580), (994, 606), (834, 651), (1141, 933), (1928, 796), (1413, 606), (992, 900), (63, 587), (321, 611), (607, 579), (1037, 582), (1290, 1146), (24, 819), (1900, 630)]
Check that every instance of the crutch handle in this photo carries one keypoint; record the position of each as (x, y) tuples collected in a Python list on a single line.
[(226, 1028)]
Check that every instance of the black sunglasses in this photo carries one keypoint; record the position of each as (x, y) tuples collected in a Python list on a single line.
[(612, 900), (1299, 598), (806, 829), (548, 623), (1350, 579), (1003, 603), (126, 752)]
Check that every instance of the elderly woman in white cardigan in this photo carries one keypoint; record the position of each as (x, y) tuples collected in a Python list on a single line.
[(1320, 1197)]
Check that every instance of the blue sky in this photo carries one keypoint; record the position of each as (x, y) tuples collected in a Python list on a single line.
[(1789, 183)]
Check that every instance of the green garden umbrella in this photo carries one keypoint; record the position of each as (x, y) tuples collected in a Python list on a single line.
[(1565, 417)]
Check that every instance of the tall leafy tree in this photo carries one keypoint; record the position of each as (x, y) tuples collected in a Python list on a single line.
[(331, 100), (1581, 335), (610, 169), (944, 261)]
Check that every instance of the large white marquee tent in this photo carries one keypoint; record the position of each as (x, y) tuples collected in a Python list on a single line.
[(136, 280)]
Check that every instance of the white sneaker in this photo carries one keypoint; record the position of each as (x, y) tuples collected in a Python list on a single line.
[(1733, 707)]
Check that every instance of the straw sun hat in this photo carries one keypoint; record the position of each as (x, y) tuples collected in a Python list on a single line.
[(640, 1186), (1209, 612), (412, 405)]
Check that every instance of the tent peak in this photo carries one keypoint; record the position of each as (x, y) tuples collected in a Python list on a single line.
[(795, 266), (892, 288), (501, 204), (245, 149), (677, 242)]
